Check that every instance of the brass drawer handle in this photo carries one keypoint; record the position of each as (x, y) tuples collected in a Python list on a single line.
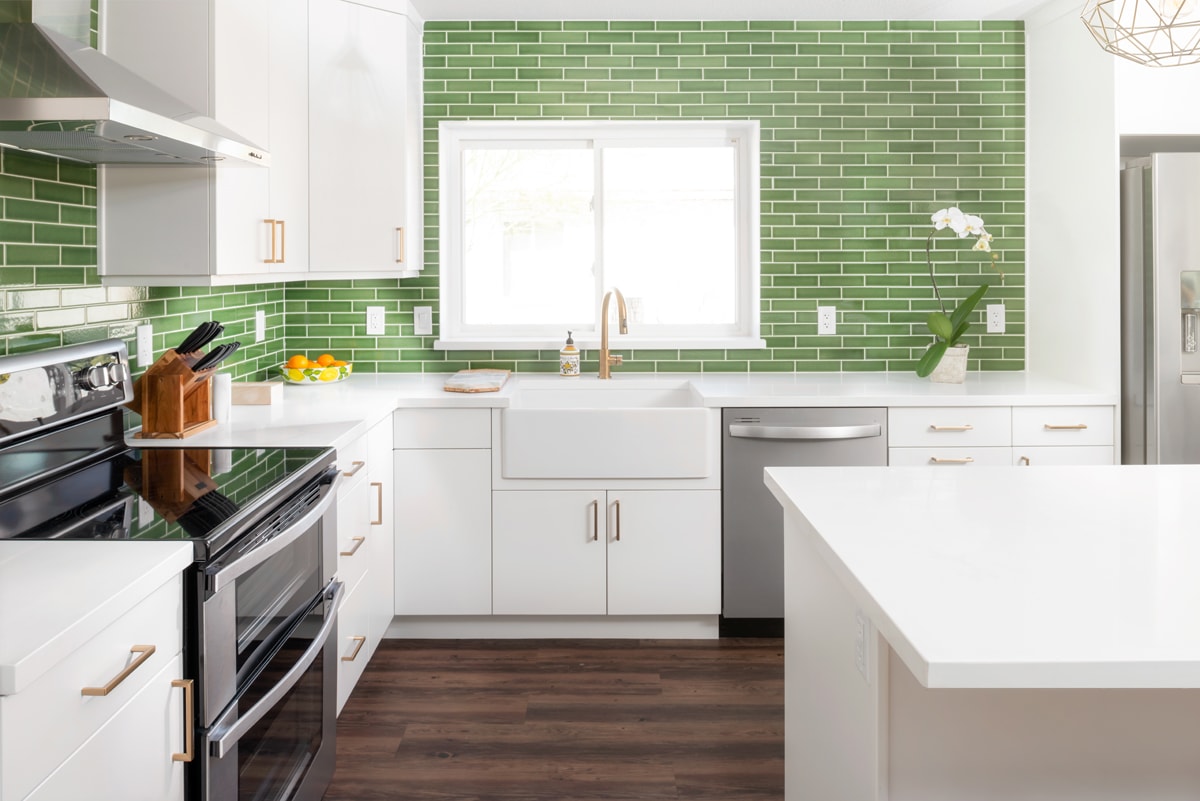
[(595, 520), (400, 245), (358, 542), (145, 651), (967, 427), (618, 505), (956, 460), (273, 259), (1024, 461), (1076, 427), (378, 521), (357, 466), (189, 720), (358, 644)]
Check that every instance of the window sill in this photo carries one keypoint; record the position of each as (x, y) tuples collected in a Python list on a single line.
[(617, 342)]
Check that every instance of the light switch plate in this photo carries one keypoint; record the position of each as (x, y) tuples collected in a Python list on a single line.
[(145, 345), (260, 326), (995, 318), (375, 321), (826, 320), (423, 320)]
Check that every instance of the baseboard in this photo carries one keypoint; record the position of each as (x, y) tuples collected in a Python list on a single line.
[(751, 627), (516, 627)]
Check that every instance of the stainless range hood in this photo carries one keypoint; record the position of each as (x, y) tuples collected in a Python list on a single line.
[(65, 99)]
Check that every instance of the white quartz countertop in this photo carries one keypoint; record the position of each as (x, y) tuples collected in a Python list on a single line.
[(336, 414), (55, 596), (1052, 577)]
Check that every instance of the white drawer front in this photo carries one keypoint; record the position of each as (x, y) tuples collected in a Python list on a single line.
[(130, 756), (1079, 454), (352, 461), (354, 620), (354, 532), (949, 457), (44, 723), (1063, 425), (442, 428), (950, 426)]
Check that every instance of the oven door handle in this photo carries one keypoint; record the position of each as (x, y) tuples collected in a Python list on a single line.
[(223, 738), (221, 578)]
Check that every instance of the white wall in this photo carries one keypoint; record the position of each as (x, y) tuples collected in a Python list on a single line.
[(1157, 100), (1073, 214)]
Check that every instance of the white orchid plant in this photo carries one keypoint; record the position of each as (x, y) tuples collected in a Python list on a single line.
[(949, 328)]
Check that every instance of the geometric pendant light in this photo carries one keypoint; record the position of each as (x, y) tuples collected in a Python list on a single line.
[(1157, 33)]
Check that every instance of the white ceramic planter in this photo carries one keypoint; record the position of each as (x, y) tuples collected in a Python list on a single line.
[(952, 369)]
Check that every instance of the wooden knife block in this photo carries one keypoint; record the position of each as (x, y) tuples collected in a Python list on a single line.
[(173, 400)]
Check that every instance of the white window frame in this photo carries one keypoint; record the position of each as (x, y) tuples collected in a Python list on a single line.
[(454, 136)]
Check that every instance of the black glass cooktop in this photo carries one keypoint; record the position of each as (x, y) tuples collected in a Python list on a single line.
[(189, 494)]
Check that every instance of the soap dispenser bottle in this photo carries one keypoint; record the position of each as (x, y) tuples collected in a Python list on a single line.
[(568, 358)]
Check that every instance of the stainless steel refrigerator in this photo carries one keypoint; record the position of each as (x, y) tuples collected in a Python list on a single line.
[(1160, 309)]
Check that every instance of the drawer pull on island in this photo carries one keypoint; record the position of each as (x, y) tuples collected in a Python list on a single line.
[(967, 427), (189, 720), (949, 460), (1076, 427), (1024, 461), (144, 652)]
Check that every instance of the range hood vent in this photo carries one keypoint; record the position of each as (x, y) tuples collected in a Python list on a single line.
[(65, 99)]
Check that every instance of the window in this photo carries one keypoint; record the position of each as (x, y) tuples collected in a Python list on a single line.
[(540, 219)]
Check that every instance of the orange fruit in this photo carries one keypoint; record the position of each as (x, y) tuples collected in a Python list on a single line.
[(337, 363), (297, 361), (325, 360), (310, 363)]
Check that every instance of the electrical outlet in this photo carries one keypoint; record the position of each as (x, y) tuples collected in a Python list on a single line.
[(145, 345), (826, 320), (862, 643), (995, 318), (260, 326), (423, 320), (375, 323)]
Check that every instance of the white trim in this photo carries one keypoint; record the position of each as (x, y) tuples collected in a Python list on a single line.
[(520, 627), (455, 136)]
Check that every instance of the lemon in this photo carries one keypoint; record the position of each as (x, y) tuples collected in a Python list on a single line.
[(329, 374), (295, 375)]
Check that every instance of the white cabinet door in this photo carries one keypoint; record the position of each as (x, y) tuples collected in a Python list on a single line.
[(548, 552), (129, 757), (382, 534), (443, 532), (664, 552), (289, 137), (363, 138)]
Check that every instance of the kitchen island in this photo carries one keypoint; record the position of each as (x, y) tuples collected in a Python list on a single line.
[(992, 633)]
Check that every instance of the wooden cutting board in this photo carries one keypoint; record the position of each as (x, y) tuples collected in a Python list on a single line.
[(483, 380)]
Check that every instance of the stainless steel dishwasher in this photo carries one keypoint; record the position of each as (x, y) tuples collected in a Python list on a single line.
[(752, 520)]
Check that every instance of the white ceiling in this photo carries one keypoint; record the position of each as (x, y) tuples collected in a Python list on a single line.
[(726, 9)]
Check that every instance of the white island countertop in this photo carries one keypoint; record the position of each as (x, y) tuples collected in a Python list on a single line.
[(55, 596), (1051, 577)]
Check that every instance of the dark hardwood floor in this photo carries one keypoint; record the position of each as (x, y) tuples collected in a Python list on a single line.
[(568, 720)]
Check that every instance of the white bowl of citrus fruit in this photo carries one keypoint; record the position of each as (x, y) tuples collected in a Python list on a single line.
[(325, 369)]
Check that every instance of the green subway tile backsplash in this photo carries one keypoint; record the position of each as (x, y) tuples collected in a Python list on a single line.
[(867, 128)]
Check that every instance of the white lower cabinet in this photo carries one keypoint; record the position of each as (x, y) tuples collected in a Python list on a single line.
[(1063, 455), (591, 552), (443, 531), (949, 457), (381, 539), (130, 756), (354, 630)]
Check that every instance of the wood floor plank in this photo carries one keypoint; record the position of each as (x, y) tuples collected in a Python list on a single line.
[(565, 720)]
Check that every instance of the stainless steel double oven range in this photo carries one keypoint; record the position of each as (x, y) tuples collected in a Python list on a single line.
[(261, 600)]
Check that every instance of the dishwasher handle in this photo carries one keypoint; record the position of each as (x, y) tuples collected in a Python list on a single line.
[(865, 431)]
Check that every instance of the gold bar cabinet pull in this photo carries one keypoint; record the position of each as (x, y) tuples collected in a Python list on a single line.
[(1076, 427), (949, 460), (1024, 461), (273, 259), (355, 467), (282, 242), (358, 541), (400, 245), (595, 520), (967, 427), (189, 720), (358, 644), (144, 652), (378, 485), (617, 504)]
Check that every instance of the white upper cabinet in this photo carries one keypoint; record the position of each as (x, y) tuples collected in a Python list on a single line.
[(365, 114), (331, 92)]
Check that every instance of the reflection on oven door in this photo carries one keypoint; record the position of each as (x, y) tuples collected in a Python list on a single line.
[(276, 741)]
